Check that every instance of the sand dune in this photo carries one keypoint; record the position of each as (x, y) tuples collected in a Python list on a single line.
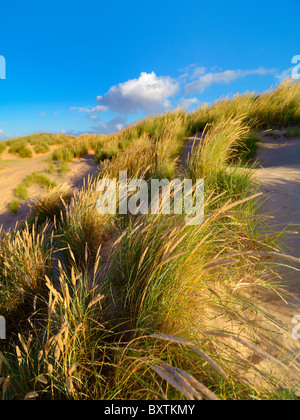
[(13, 171)]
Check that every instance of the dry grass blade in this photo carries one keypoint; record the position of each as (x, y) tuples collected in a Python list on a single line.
[(173, 257), (244, 200), (71, 370), (42, 380), (3, 360), (19, 355), (164, 375), (69, 385), (25, 347), (71, 254), (177, 340), (5, 385), (197, 385), (264, 254), (219, 264), (180, 378), (249, 345), (31, 396), (95, 300)]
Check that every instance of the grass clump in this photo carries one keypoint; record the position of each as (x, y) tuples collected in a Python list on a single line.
[(40, 179), (293, 132), (83, 229), (246, 151), (35, 178), (25, 258), (51, 205), (74, 148), (41, 148), (3, 146), (25, 153), (14, 206), (63, 168), (20, 147), (51, 169), (22, 192), (220, 144), (62, 155)]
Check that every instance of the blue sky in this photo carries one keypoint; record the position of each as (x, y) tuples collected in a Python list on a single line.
[(95, 66)]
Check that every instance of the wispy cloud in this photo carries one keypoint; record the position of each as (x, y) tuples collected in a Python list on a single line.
[(198, 71), (285, 74), (90, 110), (204, 81)]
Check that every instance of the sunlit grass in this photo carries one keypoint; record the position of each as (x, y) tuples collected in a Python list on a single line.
[(147, 307)]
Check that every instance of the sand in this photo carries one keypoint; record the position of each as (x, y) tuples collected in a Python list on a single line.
[(278, 174), (279, 178)]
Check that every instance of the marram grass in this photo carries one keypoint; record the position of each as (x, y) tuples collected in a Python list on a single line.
[(103, 307)]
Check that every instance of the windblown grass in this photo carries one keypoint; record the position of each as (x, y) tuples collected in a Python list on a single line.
[(83, 229), (217, 147), (147, 307), (25, 259), (51, 205), (74, 348)]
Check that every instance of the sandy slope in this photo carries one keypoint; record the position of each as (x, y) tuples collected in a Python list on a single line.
[(278, 174), (14, 170), (279, 177)]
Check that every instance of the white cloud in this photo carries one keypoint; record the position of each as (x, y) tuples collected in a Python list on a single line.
[(148, 93), (188, 102), (112, 126), (199, 71), (204, 81)]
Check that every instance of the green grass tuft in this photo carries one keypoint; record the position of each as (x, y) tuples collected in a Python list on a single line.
[(14, 206)]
